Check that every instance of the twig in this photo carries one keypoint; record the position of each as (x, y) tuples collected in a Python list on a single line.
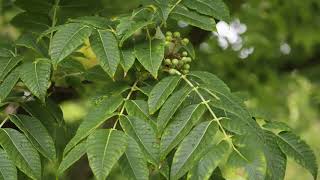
[(133, 88), (4, 121)]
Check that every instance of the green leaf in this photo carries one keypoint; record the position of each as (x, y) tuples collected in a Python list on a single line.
[(74, 155), (104, 148), (212, 80), (164, 6), (144, 134), (277, 125), (7, 169), (31, 22), (6, 53), (7, 65), (67, 39), (105, 45), (37, 134), (7, 85), (296, 148), (29, 40), (161, 92), (214, 8), (204, 169), (47, 113), (139, 109), (127, 59), (94, 21), (220, 97), (182, 13), (38, 6), (127, 27), (251, 164), (150, 55), (36, 75), (171, 106), (97, 115), (276, 159), (180, 126), (133, 163), (21, 152), (193, 148)]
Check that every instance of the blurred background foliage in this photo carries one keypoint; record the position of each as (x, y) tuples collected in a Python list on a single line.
[(275, 66)]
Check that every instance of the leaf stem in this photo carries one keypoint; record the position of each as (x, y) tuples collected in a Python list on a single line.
[(133, 88), (4, 121), (171, 9), (54, 19), (216, 119)]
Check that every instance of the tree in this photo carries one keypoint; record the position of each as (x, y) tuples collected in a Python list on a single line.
[(150, 114)]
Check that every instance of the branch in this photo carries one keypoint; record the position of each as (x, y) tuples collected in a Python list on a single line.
[(133, 88)]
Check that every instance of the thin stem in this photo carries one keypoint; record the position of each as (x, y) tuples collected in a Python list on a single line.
[(4, 121), (54, 19), (171, 9), (133, 88), (216, 119)]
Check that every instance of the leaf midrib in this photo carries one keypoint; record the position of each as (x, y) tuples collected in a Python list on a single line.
[(135, 132), (104, 50), (27, 130), (105, 149), (24, 158), (183, 126), (68, 41), (186, 159), (164, 90), (290, 145)]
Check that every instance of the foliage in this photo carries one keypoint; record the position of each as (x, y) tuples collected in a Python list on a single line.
[(149, 113)]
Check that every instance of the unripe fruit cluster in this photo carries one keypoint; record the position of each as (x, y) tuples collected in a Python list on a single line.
[(176, 60)]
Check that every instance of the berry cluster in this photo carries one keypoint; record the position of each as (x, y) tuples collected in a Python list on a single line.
[(175, 58)]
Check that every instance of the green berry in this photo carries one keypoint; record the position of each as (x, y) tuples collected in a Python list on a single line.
[(185, 71), (188, 59), (169, 38), (167, 61), (184, 59), (168, 33), (172, 71), (186, 66), (175, 62), (185, 53), (185, 41), (181, 63), (176, 34)]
